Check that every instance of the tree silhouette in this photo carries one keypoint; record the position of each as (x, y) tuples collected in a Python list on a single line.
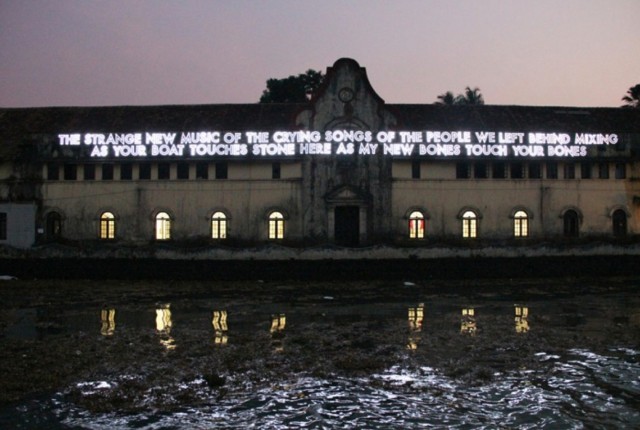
[(470, 97), (294, 89), (447, 98), (632, 99)]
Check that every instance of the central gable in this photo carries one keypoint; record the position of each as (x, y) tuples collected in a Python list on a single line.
[(346, 100)]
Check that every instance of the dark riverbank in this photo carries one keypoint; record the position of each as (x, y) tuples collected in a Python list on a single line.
[(85, 353), (325, 269)]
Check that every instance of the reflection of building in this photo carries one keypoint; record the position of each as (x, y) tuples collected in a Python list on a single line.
[(220, 328), (345, 168), (468, 321), (163, 326), (108, 320), (416, 319), (278, 323), (521, 318)]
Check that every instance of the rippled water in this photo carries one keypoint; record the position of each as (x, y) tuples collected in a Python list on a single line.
[(553, 387), (585, 389)]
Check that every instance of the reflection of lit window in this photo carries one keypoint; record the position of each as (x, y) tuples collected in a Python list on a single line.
[(276, 225), (278, 323), (163, 226), (219, 226), (521, 318), (416, 318), (416, 225), (468, 322), (107, 226), (163, 327), (520, 224), (108, 319), (469, 224), (220, 328)]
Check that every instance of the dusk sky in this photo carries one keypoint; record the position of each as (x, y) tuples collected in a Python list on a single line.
[(120, 52)]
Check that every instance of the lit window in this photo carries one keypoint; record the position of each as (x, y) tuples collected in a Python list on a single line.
[(416, 225), (163, 226), (107, 226), (521, 224), (276, 225), (219, 226), (469, 224)]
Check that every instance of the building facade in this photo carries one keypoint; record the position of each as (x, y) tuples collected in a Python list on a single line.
[(345, 169)]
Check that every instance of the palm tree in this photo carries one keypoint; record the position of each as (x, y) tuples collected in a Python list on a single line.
[(632, 99), (446, 99), (471, 97)]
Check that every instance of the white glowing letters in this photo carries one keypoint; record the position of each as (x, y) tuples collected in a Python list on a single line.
[(281, 143)]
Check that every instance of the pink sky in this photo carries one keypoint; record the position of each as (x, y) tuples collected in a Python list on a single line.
[(120, 52)]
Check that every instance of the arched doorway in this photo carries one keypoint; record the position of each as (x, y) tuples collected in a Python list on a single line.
[(571, 222), (619, 220), (53, 226)]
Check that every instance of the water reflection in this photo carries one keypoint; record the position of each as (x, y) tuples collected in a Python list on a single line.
[(163, 326), (521, 318), (278, 323), (416, 318), (108, 319), (220, 327), (468, 322)]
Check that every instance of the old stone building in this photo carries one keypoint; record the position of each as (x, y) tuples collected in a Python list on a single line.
[(344, 169)]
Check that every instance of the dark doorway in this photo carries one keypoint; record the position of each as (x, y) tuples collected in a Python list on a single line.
[(571, 224), (619, 223), (347, 225)]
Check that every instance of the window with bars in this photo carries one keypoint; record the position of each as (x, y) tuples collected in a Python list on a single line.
[(416, 225), (107, 226), (276, 226)]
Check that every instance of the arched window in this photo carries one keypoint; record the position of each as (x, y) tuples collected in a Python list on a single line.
[(571, 222), (619, 219), (107, 226), (469, 224), (276, 225), (416, 225), (520, 224), (53, 225), (219, 226), (163, 226)]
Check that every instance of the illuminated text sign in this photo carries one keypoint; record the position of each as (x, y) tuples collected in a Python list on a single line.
[(427, 143)]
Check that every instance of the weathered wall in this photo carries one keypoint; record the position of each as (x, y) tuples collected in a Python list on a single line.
[(21, 221), (189, 203), (347, 102)]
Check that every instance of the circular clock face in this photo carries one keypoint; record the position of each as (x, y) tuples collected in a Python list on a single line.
[(345, 95)]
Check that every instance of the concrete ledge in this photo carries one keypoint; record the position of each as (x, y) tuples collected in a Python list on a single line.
[(363, 269)]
